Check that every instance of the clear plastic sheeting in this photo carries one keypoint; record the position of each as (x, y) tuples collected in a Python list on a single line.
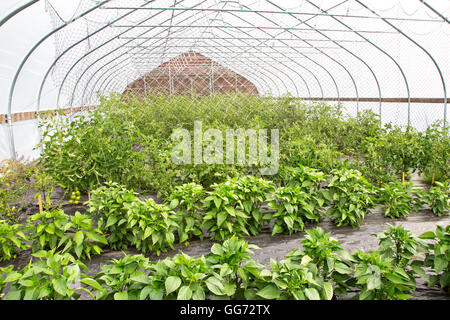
[(391, 57)]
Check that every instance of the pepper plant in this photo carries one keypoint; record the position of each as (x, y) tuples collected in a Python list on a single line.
[(47, 228), (334, 264), (437, 198), (222, 217), (399, 244), (73, 234), (185, 200), (308, 179), (397, 198), (294, 207), (80, 237), (122, 279), (108, 204), (12, 239), (252, 193), (235, 273), (53, 276), (150, 226), (299, 281), (181, 277), (378, 279), (437, 257), (351, 196)]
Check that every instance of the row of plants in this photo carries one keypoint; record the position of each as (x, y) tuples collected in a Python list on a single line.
[(128, 141), (321, 270), (52, 230), (239, 206)]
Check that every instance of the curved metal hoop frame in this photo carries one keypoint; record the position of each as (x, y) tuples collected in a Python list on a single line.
[(274, 62)]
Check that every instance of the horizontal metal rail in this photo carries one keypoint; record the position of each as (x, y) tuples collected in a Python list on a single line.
[(23, 116), (269, 12)]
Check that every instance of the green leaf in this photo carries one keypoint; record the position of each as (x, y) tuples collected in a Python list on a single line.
[(96, 237), (269, 292), (78, 238), (328, 290), (217, 249), (221, 217), (122, 295), (342, 268), (173, 204), (215, 286), (147, 233), (312, 294), (111, 220), (92, 283), (60, 286), (373, 282), (198, 294), (418, 270), (172, 284), (440, 263), (185, 293), (427, 235), (217, 202)]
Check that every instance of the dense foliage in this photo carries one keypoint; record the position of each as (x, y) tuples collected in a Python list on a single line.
[(12, 239), (330, 165), (321, 270), (128, 141)]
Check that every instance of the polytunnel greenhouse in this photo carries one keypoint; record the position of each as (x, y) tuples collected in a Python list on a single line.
[(224, 149)]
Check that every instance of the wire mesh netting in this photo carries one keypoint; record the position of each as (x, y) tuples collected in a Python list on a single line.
[(391, 57)]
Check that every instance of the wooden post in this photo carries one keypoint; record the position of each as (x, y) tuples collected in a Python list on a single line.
[(432, 179), (403, 177), (40, 203)]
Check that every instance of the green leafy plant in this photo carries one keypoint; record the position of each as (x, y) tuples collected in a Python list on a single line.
[(437, 257), (80, 237), (351, 195), (294, 207), (379, 279), (333, 264), (435, 161), (397, 198), (252, 193), (185, 200), (108, 203), (308, 179), (181, 277), (236, 275), (54, 276), (87, 151), (222, 218), (403, 150), (437, 198), (299, 281), (73, 234), (12, 239), (399, 244), (16, 185), (47, 228), (150, 226), (122, 279)]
